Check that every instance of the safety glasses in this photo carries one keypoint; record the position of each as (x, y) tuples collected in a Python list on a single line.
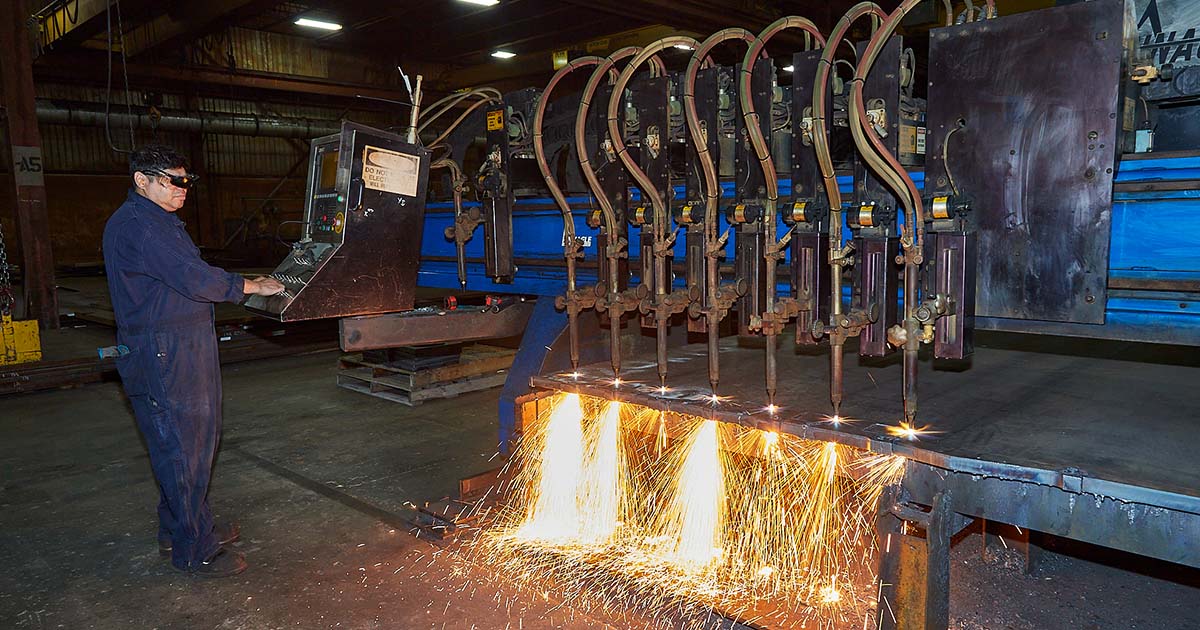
[(184, 181)]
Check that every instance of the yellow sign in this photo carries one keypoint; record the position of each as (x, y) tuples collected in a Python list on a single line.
[(495, 120), (560, 58)]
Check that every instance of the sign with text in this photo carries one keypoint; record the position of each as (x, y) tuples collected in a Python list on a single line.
[(28, 167), (390, 171)]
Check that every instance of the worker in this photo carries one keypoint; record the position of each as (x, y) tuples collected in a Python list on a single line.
[(163, 295)]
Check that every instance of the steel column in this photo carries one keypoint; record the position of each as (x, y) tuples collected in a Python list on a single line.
[(25, 147)]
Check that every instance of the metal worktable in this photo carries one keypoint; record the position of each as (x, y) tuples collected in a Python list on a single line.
[(1094, 449)]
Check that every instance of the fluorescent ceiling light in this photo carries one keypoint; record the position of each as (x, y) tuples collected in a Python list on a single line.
[(789, 68), (482, 3), (325, 26), (683, 47), (503, 54)]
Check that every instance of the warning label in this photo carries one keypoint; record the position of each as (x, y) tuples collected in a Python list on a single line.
[(495, 120), (390, 171)]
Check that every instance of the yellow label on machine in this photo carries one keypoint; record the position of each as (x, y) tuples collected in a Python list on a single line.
[(495, 120)]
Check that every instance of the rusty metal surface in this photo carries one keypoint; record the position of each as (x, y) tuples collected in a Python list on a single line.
[(417, 328), (1037, 152), (1113, 428)]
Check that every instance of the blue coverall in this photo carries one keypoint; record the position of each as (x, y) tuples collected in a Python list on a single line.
[(163, 295)]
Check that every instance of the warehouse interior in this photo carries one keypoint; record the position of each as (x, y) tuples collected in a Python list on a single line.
[(597, 314)]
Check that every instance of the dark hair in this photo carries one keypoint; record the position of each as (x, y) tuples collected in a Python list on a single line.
[(155, 157)]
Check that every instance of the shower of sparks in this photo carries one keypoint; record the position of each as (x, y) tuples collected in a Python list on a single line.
[(908, 431), (649, 511), (553, 514), (694, 520), (601, 488)]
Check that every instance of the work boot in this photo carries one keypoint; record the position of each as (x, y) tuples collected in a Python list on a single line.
[(224, 563), (226, 532)]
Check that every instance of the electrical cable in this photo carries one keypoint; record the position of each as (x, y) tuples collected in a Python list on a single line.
[(125, 75), (820, 137), (945, 152), (712, 193), (614, 103), (820, 133), (108, 81), (661, 219), (437, 109), (454, 125), (539, 149), (615, 242), (283, 223), (771, 178)]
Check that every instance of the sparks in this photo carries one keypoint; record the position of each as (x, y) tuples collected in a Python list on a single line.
[(830, 595), (770, 447), (603, 506), (554, 514), (663, 390), (771, 409), (616, 382), (908, 431), (694, 518)]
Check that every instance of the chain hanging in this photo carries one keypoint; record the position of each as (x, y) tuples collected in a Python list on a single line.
[(7, 298)]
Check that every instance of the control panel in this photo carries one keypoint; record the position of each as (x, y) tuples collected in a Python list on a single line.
[(363, 215)]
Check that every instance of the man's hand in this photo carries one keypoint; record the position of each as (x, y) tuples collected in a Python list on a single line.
[(263, 286)]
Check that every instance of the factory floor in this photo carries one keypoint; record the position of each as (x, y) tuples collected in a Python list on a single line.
[(319, 479)]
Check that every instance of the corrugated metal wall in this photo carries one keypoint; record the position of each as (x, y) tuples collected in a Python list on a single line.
[(86, 179)]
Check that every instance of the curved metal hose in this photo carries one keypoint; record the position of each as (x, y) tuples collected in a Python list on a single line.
[(712, 191), (770, 177)]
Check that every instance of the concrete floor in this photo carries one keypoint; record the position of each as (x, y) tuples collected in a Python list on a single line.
[(318, 477)]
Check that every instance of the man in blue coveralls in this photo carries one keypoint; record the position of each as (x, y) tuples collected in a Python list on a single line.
[(163, 295)]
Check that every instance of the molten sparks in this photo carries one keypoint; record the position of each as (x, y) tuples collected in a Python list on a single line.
[(771, 409), (770, 446), (553, 515), (695, 517), (908, 431), (601, 488), (604, 511), (830, 595), (715, 400)]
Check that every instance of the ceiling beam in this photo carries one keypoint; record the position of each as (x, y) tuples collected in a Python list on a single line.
[(87, 69), (69, 22), (186, 21), (692, 15), (533, 69)]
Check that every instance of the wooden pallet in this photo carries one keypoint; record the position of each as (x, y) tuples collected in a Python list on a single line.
[(479, 367)]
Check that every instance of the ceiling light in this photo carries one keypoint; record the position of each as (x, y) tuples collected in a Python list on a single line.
[(789, 68), (503, 54), (683, 47), (482, 3), (325, 26)]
